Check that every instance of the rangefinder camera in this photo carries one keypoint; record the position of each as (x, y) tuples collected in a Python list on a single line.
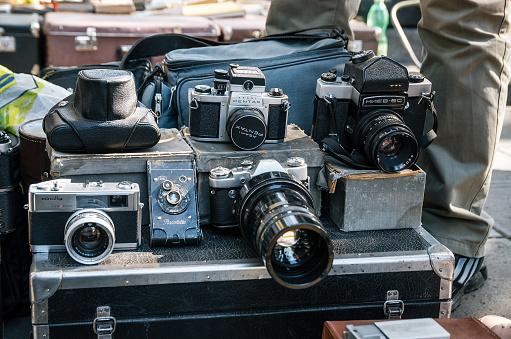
[(88, 220), (237, 109), (376, 108), (274, 210)]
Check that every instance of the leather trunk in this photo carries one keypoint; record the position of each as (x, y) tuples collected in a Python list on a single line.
[(75, 39), (221, 289), (21, 48)]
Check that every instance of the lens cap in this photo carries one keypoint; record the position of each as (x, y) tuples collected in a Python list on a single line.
[(247, 128)]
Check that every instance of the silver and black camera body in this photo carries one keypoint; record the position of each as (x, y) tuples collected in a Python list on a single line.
[(89, 219), (274, 210), (9, 156), (376, 108), (238, 109)]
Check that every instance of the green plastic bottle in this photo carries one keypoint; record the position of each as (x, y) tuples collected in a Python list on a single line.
[(378, 16)]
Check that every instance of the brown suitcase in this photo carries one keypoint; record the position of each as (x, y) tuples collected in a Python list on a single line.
[(458, 328), (75, 39), (242, 28), (366, 37)]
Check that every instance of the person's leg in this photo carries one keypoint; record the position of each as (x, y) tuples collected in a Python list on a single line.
[(466, 57), (289, 15)]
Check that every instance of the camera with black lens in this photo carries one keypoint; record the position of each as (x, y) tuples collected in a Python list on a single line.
[(9, 155), (88, 220), (274, 210), (238, 109), (376, 111)]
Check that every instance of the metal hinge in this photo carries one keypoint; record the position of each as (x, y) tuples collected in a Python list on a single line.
[(87, 42), (393, 308), (104, 324)]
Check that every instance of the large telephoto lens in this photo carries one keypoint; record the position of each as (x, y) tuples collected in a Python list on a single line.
[(386, 141), (89, 236), (276, 213)]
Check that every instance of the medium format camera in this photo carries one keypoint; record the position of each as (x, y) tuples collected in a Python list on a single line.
[(275, 212), (89, 219), (237, 109), (173, 203), (376, 110), (9, 156)]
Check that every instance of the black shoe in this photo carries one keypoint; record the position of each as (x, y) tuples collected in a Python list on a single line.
[(476, 281)]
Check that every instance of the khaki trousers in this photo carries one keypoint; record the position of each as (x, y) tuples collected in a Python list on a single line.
[(466, 55)]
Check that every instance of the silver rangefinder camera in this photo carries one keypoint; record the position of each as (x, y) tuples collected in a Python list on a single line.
[(88, 220), (238, 109)]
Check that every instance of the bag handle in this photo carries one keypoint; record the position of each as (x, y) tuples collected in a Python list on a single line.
[(161, 44)]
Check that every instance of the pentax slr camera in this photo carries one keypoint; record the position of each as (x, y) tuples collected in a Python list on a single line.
[(9, 157), (237, 109), (89, 219), (376, 112), (274, 210)]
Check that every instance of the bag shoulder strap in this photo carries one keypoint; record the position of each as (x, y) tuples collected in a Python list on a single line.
[(161, 44)]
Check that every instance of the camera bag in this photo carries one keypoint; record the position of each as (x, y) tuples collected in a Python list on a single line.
[(102, 116), (292, 61)]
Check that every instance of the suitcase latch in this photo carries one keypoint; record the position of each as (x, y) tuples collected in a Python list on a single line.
[(7, 43), (84, 43), (393, 308), (104, 324)]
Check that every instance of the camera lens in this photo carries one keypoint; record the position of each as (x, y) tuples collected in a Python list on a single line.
[(386, 141), (89, 236), (246, 128), (276, 214)]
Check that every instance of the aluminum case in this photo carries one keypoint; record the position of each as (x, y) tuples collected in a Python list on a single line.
[(221, 288)]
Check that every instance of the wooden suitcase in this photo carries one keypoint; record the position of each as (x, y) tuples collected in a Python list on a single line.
[(74, 39), (21, 42)]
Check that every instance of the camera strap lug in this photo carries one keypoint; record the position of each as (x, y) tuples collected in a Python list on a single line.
[(393, 308), (104, 324)]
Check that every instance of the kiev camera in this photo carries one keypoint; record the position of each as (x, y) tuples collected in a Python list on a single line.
[(89, 219), (275, 212), (237, 109), (376, 112)]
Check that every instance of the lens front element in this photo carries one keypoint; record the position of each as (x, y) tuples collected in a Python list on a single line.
[(276, 213), (89, 236)]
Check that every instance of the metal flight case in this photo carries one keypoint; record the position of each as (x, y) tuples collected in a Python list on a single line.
[(222, 289)]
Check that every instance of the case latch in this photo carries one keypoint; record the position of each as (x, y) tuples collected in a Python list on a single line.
[(7, 43), (393, 308), (104, 324), (84, 43)]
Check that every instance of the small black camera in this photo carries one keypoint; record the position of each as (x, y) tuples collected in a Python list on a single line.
[(377, 109), (237, 109)]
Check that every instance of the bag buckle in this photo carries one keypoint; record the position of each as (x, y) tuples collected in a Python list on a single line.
[(104, 324)]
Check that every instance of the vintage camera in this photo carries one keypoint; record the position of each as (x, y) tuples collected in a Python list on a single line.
[(376, 109), (9, 156), (237, 109), (275, 212), (173, 203), (89, 219)]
